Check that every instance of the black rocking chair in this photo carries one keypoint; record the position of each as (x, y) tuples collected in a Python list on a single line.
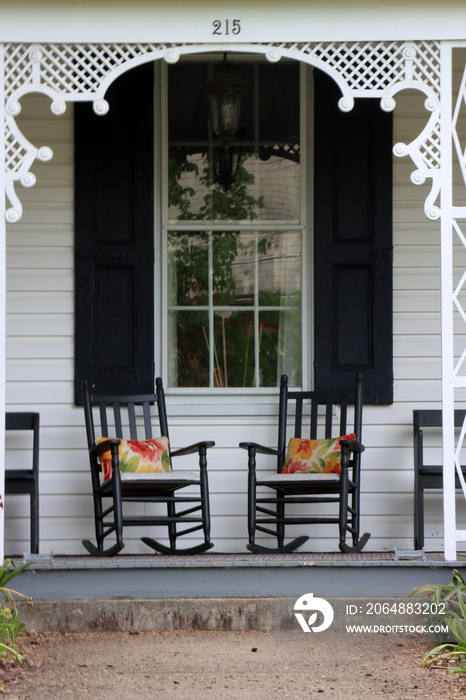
[(129, 478), (295, 484)]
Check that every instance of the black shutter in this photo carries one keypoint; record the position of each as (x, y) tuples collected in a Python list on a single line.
[(353, 244), (114, 244)]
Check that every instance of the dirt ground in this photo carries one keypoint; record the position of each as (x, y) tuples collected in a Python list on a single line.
[(225, 666)]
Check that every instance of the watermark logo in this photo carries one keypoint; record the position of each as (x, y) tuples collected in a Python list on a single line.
[(387, 616), (307, 603)]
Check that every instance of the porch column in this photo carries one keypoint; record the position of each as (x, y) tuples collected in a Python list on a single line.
[(2, 299), (452, 378), (446, 224)]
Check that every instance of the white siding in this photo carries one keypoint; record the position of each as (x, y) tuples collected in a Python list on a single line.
[(40, 349)]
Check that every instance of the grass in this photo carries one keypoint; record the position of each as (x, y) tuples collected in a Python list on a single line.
[(11, 626), (453, 595)]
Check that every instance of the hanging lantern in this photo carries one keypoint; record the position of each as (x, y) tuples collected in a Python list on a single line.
[(225, 165), (225, 93)]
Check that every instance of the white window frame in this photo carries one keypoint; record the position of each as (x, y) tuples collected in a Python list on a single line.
[(232, 397)]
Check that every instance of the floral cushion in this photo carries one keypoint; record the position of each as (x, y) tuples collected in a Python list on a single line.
[(319, 456), (138, 456)]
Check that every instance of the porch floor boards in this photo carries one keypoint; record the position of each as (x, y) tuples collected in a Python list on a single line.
[(234, 560)]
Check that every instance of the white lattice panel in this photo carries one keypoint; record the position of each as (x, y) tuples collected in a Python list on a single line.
[(78, 72)]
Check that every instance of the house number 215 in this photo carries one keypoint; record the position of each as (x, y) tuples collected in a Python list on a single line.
[(226, 26)]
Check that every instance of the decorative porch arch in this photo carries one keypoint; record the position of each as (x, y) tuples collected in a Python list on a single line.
[(77, 73), (83, 72)]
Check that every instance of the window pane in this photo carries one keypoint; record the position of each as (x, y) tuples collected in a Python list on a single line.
[(188, 268), (279, 268), (255, 174), (279, 347), (275, 184), (234, 349), (188, 117), (188, 362), (233, 268), (265, 187), (279, 102), (221, 345)]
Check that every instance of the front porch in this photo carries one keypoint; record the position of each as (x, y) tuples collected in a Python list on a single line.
[(40, 331)]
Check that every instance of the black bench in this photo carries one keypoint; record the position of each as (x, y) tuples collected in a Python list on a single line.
[(427, 476)]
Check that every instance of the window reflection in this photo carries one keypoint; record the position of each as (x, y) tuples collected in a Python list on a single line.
[(234, 296)]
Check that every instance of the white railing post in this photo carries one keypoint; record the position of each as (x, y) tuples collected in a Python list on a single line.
[(446, 231), (2, 300)]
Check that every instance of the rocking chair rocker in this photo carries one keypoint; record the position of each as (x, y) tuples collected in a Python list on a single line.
[(140, 472), (309, 471)]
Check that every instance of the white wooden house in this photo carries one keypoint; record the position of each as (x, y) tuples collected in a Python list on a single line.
[(409, 57)]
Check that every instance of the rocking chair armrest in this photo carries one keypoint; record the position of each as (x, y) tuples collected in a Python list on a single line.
[(97, 449), (353, 446), (262, 449), (191, 449)]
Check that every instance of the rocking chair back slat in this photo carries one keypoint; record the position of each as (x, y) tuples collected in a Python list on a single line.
[(319, 408), (314, 416), (343, 415), (328, 418), (103, 419), (90, 432), (118, 423), (147, 421), (298, 421), (133, 431), (118, 414), (162, 406)]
